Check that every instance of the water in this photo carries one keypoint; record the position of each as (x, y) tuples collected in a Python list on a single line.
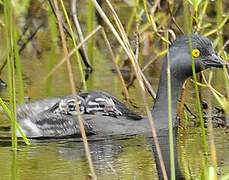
[(113, 158), (65, 159)]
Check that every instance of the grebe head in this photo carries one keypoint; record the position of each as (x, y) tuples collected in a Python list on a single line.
[(68, 106), (202, 52)]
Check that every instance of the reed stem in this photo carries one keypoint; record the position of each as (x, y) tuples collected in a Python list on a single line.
[(71, 79), (75, 45), (90, 27), (170, 122), (9, 113), (188, 29), (126, 46), (8, 17)]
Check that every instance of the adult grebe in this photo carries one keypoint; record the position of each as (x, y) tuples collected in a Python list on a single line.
[(54, 120)]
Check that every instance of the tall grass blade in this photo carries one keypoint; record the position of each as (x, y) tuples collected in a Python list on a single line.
[(9, 113), (71, 79), (90, 27), (8, 17), (219, 27), (116, 65), (75, 45), (126, 46), (80, 34), (219, 20), (188, 29), (170, 121), (12, 52)]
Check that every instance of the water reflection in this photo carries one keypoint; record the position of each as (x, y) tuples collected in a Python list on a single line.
[(113, 158)]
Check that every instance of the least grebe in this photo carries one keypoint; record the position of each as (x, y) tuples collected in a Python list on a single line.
[(47, 124)]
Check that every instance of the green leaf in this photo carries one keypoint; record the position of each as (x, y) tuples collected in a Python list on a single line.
[(195, 3)]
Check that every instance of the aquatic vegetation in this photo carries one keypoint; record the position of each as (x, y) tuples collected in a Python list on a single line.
[(135, 31)]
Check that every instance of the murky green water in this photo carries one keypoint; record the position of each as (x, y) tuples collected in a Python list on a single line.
[(65, 159), (118, 158)]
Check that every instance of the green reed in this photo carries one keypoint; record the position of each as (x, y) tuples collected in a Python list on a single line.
[(212, 172), (90, 28), (12, 56), (150, 18), (72, 83), (219, 19), (189, 31), (219, 27), (8, 17), (75, 45), (170, 121), (124, 42), (12, 117), (201, 16), (152, 22)]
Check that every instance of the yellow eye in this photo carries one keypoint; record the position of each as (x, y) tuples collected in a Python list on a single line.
[(195, 53)]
